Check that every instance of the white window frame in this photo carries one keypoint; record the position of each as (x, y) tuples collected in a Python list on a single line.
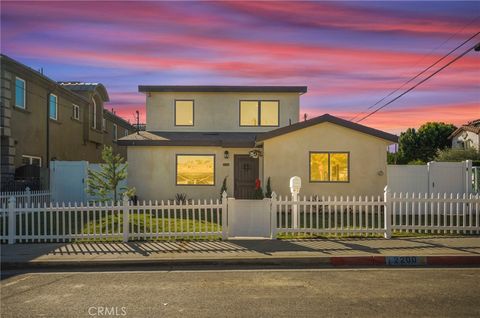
[(94, 113), (56, 107), (31, 158), (115, 132), (104, 124), (24, 93), (76, 112)]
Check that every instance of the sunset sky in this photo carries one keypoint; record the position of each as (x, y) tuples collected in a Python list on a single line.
[(349, 54)]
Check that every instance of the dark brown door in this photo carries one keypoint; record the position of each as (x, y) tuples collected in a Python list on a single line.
[(246, 172)]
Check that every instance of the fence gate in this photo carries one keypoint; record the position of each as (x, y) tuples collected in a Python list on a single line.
[(249, 218)]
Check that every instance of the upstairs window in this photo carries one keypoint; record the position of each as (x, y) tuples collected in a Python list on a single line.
[(76, 112), (184, 113), (329, 167), (126, 132), (115, 132), (53, 106), (259, 113), (19, 92)]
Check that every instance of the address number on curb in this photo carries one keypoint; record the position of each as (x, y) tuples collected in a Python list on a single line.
[(402, 260)]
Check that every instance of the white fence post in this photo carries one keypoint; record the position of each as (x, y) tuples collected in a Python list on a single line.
[(11, 220), (295, 210), (224, 216), (28, 193), (126, 213), (388, 213), (273, 215)]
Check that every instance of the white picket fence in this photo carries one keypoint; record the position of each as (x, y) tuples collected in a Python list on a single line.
[(207, 219), (355, 215), (114, 221), (25, 197), (350, 215)]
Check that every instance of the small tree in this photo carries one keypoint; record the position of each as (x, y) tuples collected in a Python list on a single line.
[(258, 190), (224, 187), (104, 183), (268, 192)]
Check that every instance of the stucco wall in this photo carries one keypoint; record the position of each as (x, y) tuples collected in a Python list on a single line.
[(151, 170), (459, 141), (288, 155), (215, 111)]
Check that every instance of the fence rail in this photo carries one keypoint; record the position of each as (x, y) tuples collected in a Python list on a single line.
[(25, 197), (329, 215), (112, 221), (207, 219)]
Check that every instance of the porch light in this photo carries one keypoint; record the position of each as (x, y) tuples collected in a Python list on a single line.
[(226, 155)]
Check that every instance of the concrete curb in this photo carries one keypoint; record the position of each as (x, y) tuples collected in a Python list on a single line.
[(285, 262)]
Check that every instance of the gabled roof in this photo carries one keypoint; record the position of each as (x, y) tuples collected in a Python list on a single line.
[(169, 138), (87, 87), (222, 89), (473, 126), (331, 119)]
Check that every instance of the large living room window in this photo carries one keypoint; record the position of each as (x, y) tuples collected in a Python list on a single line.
[(20, 92), (195, 170), (184, 113), (259, 113), (329, 167)]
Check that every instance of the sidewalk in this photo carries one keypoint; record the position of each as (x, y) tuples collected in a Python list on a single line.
[(326, 252)]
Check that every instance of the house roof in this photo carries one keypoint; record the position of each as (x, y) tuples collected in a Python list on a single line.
[(473, 126), (331, 119), (169, 138), (87, 87), (41, 77), (222, 89), (117, 119)]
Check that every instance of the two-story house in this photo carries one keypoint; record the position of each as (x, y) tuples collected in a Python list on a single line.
[(467, 136), (196, 136), (44, 120)]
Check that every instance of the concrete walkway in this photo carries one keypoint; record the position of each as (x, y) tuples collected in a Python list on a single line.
[(318, 250)]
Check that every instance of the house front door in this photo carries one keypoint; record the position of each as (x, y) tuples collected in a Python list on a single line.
[(245, 173)]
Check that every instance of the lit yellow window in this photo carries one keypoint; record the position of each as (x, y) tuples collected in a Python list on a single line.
[(319, 167), (195, 170), (329, 167), (269, 113), (248, 113), (339, 167), (184, 112)]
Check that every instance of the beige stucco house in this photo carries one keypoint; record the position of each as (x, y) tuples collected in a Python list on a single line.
[(196, 136), (467, 136)]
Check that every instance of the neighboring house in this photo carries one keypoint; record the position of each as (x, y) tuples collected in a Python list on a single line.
[(44, 120), (467, 136), (198, 135), (116, 127)]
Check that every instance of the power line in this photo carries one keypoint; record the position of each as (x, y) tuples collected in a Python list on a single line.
[(421, 82), (416, 76)]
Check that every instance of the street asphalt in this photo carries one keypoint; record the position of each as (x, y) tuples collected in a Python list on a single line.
[(375, 292)]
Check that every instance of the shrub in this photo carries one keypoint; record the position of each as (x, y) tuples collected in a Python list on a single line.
[(224, 187), (181, 198), (258, 190), (268, 192), (455, 155)]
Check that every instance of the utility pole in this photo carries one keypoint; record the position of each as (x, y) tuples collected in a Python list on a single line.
[(138, 121)]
